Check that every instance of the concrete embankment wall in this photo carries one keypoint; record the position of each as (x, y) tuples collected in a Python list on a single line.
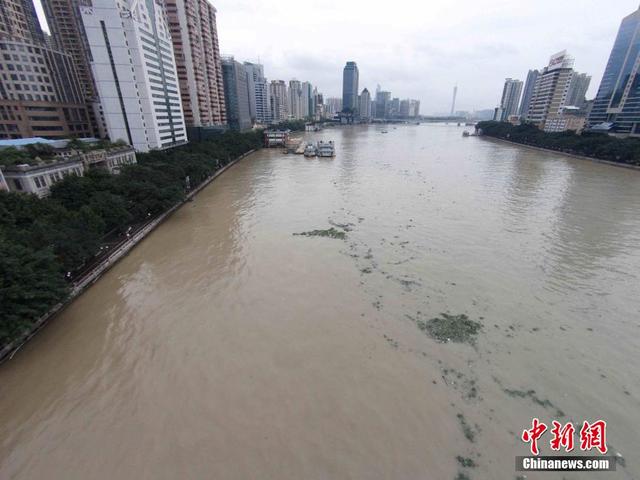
[(548, 150), (8, 351)]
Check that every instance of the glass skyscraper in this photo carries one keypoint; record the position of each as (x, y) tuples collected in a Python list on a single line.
[(350, 87), (618, 98)]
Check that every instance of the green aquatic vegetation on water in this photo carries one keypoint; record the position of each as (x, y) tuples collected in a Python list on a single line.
[(451, 328), (531, 394), (469, 432), (330, 232), (466, 462)]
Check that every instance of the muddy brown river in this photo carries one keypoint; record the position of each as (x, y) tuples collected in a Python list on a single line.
[(225, 347)]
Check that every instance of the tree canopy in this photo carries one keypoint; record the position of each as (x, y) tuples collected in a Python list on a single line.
[(596, 145)]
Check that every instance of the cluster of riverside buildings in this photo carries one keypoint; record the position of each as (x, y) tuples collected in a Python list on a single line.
[(362, 107), (146, 73), (553, 98)]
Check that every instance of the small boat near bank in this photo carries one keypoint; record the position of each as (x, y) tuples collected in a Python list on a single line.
[(310, 150)]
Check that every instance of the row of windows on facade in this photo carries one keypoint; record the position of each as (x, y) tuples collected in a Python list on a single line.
[(41, 180)]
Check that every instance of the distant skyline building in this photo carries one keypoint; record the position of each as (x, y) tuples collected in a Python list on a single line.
[(350, 79), (453, 103), (236, 94), (551, 89), (194, 34), (306, 99), (40, 94), (319, 110), (278, 100), (617, 103), (527, 93), (333, 105), (365, 105), (510, 99), (414, 108), (383, 104), (133, 65), (295, 94)]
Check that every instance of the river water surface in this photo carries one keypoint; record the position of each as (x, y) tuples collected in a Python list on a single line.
[(225, 347)]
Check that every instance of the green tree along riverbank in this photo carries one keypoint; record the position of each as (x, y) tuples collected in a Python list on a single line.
[(43, 239), (595, 145)]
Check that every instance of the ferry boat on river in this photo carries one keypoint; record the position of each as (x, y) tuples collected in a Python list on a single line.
[(326, 149)]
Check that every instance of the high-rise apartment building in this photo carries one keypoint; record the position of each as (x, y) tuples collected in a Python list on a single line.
[(68, 35), (510, 99), (551, 89), (350, 78), (194, 35), (527, 93), (236, 94), (295, 94), (576, 96), (18, 21), (259, 98), (306, 100), (134, 69), (39, 90), (364, 109), (278, 99), (617, 102)]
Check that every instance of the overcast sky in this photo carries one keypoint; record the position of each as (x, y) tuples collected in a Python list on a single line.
[(420, 49)]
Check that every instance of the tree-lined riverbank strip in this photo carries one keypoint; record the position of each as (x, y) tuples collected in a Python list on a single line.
[(572, 155), (80, 285), (587, 145)]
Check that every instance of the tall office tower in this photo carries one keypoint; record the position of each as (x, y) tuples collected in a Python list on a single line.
[(236, 94), (576, 96), (135, 72), (350, 78), (67, 32), (278, 99), (527, 93), (365, 105), (617, 102), (194, 35), (550, 93), (510, 99), (295, 94), (39, 90), (258, 93), (453, 103)]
